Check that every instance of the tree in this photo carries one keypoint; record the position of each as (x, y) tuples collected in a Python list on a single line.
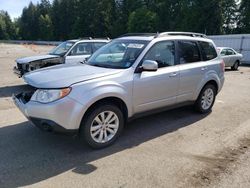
[(45, 25), (29, 23), (229, 12), (142, 20), (244, 17), (7, 28), (65, 19)]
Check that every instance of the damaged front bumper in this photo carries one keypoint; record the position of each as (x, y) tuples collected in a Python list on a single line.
[(18, 72)]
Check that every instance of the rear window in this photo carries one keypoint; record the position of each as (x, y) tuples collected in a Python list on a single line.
[(188, 52), (97, 45), (208, 50)]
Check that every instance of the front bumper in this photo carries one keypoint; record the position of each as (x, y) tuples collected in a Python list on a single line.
[(62, 116)]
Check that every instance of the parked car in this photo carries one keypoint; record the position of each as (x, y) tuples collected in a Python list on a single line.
[(68, 52), (126, 78), (230, 56)]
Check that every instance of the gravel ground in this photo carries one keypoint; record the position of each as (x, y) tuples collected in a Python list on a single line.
[(176, 148)]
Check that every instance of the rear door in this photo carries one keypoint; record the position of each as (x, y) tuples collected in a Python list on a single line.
[(231, 57), (79, 52), (192, 69), (226, 58)]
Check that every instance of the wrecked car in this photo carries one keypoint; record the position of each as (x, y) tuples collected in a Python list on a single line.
[(68, 52)]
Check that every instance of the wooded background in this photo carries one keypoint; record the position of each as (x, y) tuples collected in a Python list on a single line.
[(67, 19)]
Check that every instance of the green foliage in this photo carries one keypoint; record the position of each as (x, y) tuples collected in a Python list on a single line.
[(7, 28), (45, 25), (65, 19), (244, 17), (142, 20)]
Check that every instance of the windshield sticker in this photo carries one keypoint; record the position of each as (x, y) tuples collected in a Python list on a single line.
[(133, 45)]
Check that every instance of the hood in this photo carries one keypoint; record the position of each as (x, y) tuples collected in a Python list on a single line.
[(35, 58), (61, 76)]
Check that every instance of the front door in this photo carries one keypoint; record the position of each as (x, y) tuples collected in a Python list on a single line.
[(79, 52), (157, 89)]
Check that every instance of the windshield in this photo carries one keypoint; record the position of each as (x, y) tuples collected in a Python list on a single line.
[(62, 49), (117, 54)]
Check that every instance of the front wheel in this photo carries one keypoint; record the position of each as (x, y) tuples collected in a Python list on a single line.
[(206, 99), (102, 126)]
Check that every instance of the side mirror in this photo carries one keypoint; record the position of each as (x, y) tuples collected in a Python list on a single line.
[(149, 65)]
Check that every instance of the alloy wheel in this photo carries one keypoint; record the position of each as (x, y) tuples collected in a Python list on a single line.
[(104, 127)]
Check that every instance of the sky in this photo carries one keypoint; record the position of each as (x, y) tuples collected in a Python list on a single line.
[(15, 7)]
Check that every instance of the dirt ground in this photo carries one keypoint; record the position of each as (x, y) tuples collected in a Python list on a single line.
[(176, 148)]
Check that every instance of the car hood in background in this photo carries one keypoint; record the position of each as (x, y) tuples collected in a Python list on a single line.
[(35, 58), (61, 76)]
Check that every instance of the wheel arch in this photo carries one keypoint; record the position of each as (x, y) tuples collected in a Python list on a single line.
[(210, 81), (118, 102), (214, 83)]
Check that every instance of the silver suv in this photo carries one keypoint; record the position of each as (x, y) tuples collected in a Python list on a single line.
[(127, 77)]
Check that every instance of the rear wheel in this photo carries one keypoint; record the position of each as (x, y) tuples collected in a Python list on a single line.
[(206, 99), (236, 65), (102, 126)]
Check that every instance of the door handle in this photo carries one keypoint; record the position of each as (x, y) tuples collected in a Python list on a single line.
[(204, 68), (174, 74)]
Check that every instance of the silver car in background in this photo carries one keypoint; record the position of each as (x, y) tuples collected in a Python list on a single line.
[(230, 56), (124, 79)]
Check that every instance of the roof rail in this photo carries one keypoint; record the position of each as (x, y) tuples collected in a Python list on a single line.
[(91, 38), (181, 33), (85, 38), (107, 38), (138, 34)]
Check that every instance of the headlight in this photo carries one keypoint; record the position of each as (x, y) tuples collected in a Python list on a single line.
[(49, 95)]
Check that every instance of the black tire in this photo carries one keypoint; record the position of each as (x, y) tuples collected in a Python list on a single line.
[(85, 132), (198, 104), (236, 65)]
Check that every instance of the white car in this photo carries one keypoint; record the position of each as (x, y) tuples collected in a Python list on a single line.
[(230, 56), (68, 52)]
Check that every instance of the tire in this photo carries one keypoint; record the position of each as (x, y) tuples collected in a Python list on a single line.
[(206, 99), (235, 66), (102, 134)]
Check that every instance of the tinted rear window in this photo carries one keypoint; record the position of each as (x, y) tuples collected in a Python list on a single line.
[(188, 52), (97, 45), (208, 50)]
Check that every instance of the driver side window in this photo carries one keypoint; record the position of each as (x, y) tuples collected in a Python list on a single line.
[(163, 53), (81, 49)]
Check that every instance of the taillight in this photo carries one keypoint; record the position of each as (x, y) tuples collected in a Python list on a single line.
[(222, 65)]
